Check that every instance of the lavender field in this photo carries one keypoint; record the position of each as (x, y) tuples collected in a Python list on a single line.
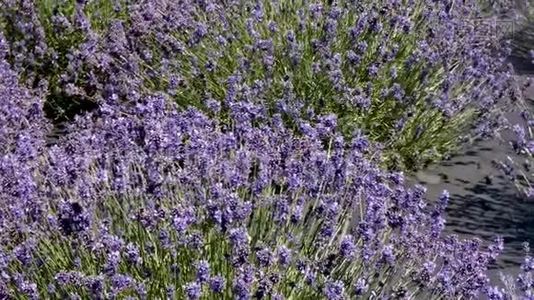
[(251, 149)]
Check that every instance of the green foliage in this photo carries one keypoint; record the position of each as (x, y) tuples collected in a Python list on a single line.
[(427, 134), (173, 265), (413, 129)]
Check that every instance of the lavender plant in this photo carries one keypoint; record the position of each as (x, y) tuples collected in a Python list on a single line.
[(145, 201), (413, 77), (50, 40), (416, 76), (261, 193)]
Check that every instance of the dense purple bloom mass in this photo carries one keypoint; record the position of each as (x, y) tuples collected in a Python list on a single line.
[(158, 187), (372, 64), (144, 197)]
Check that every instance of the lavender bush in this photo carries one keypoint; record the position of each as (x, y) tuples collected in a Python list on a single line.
[(51, 40), (145, 201), (415, 76), (240, 173)]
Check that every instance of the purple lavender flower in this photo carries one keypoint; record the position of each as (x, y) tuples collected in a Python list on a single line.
[(203, 271), (362, 46), (353, 58), (72, 219), (284, 256), (238, 237), (241, 289), (111, 266), (95, 285), (265, 257), (347, 248), (495, 293), (217, 284), (121, 282), (272, 26), (334, 290), (193, 290), (373, 70), (361, 287), (388, 255), (132, 254), (397, 92)]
